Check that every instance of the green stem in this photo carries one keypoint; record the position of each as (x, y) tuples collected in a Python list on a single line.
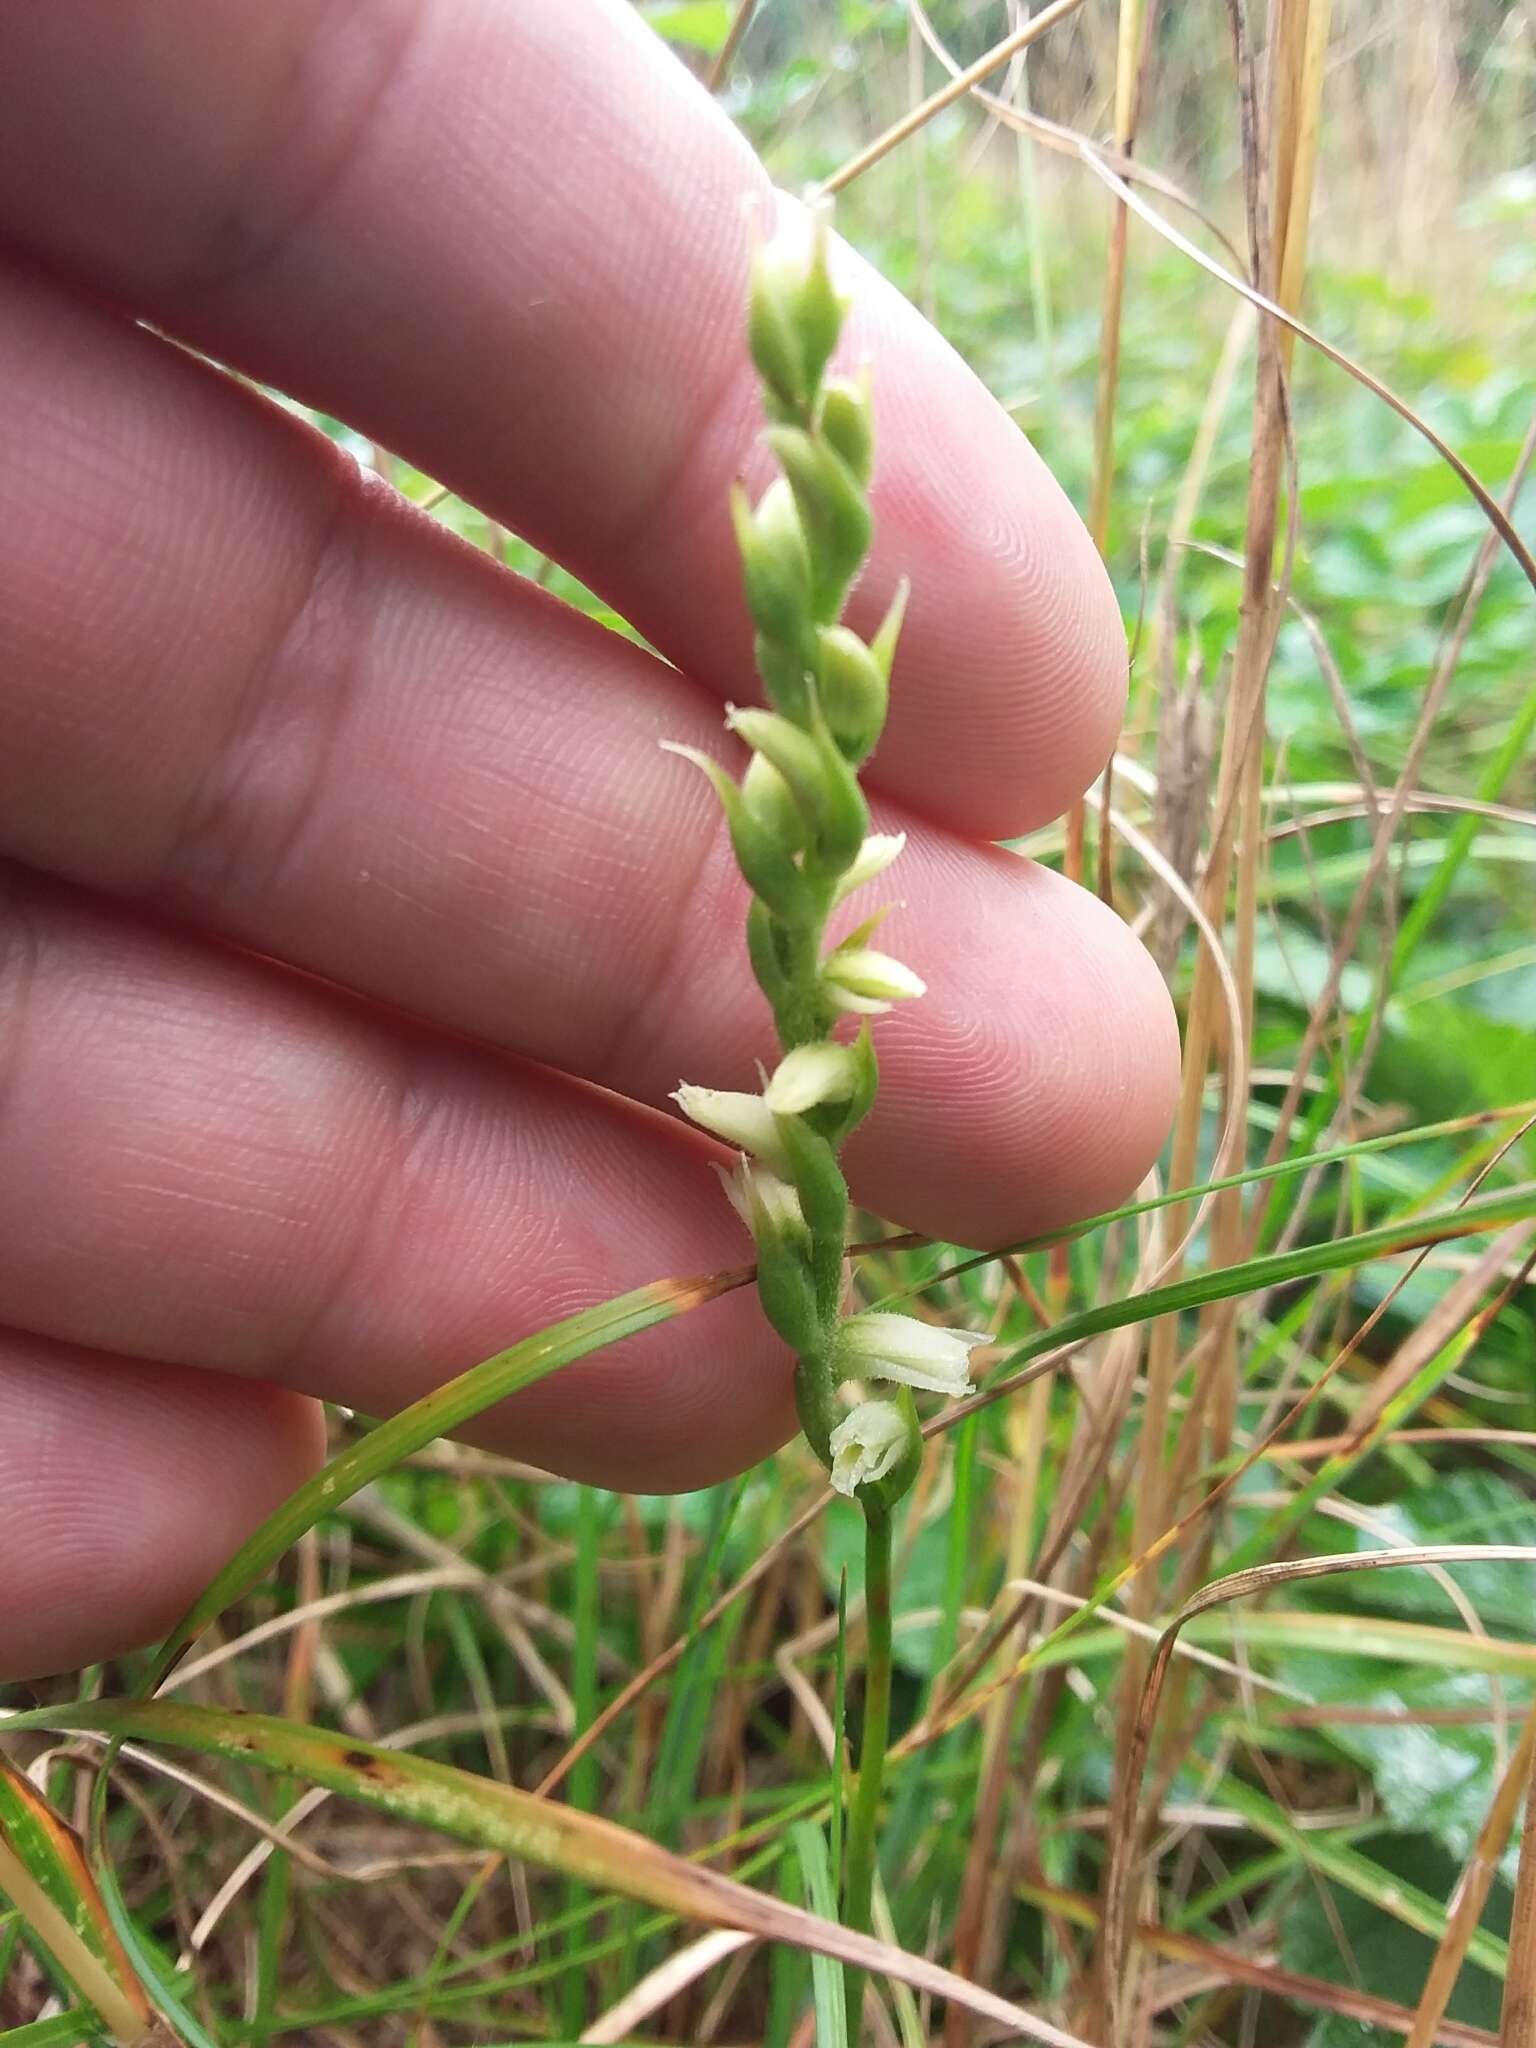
[(874, 1735)]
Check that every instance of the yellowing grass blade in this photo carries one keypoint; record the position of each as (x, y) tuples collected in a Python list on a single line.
[(495, 1816), (446, 1408), (44, 1874)]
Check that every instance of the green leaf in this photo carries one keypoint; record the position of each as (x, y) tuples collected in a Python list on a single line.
[(44, 1873), (1331, 1932), (697, 24), (826, 1978), (492, 1815), (446, 1408)]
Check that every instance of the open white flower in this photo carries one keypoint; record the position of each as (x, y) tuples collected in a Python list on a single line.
[(767, 1205), (866, 1445), (867, 982), (809, 1075), (744, 1121), (880, 1346), (873, 858)]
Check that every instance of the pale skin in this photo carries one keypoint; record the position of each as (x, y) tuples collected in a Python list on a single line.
[(338, 864)]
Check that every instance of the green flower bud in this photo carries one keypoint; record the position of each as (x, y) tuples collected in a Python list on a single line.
[(787, 1291), (845, 421), (761, 854), (775, 563), (852, 689), (772, 803), (833, 510), (773, 326), (820, 310), (771, 1210), (824, 786)]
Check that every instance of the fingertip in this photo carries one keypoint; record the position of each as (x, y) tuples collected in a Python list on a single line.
[(1012, 671), (124, 1487), (1036, 1083)]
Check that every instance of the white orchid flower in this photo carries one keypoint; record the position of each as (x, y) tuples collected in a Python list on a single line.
[(766, 1204), (809, 1075), (873, 858), (866, 982), (744, 1121), (866, 1445), (880, 1346)]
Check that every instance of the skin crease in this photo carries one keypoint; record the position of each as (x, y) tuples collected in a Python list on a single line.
[(353, 928)]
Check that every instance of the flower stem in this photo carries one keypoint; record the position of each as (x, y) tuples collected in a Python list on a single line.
[(874, 1735)]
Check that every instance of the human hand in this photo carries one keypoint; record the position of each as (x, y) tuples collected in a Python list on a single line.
[(342, 863)]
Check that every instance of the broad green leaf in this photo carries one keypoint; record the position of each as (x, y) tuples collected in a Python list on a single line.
[(1377, 1952), (1412, 1905), (1432, 1776)]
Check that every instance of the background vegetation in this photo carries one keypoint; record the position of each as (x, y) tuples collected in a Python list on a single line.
[(1309, 1832)]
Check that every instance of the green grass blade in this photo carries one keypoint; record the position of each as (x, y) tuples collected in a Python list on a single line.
[(436, 1414), (44, 1873), (1278, 1269), (515, 1823), (1279, 1170), (810, 1846)]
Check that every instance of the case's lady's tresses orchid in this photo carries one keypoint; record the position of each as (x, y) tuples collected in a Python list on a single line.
[(799, 826)]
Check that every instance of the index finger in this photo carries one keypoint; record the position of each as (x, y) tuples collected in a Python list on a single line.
[(510, 243)]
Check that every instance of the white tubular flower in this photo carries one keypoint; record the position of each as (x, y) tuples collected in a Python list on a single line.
[(744, 1121), (867, 982), (866, 1445), (881, 1346), (767, 1205), (874, 857), (809, 1075)]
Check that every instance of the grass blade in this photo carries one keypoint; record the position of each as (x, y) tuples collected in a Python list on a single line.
[(515, 1823), (44, 1873), (436, 1414), (826, 1977)]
